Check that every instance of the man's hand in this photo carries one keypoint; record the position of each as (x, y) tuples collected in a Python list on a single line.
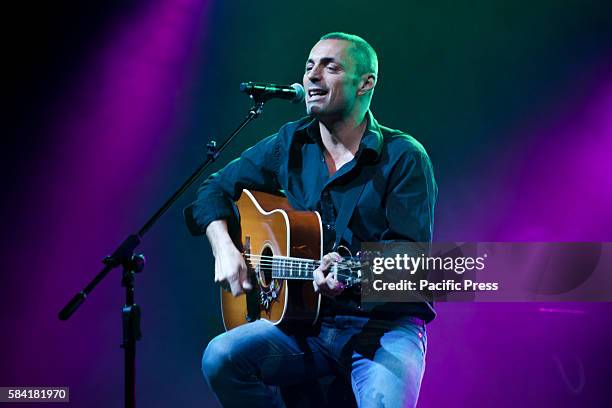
[(230, 266), (327, 285)]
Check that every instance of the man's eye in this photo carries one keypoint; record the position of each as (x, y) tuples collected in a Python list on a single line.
[(308, 68), (332, 68)]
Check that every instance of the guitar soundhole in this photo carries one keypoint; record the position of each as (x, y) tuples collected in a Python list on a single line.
[(269, 288), (265, 267)]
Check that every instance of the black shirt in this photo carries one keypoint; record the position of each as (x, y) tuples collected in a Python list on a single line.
[(396, 204)]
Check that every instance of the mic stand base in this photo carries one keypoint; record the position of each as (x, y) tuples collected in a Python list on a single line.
[(131, 327)]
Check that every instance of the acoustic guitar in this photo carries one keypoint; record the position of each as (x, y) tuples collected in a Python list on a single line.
[(282, 248)]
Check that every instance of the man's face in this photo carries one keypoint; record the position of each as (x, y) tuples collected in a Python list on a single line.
[(330, 80)]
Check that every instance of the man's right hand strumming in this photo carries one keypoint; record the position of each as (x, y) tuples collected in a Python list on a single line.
[(230, 266)]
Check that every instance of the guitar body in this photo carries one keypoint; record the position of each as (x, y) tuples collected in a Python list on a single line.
[(269, 227)]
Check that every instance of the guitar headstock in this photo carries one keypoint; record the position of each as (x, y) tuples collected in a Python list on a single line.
[(350, 269)]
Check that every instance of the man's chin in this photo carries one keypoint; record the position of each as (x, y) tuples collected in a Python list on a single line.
[(313, 110), (317, 111)]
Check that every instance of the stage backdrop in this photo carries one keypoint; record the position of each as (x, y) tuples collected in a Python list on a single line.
[(112, 104)]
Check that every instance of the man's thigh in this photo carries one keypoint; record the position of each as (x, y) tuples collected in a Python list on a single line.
[(263, 350), (388, 362)]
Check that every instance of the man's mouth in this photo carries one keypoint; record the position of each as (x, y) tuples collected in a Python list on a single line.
[(315, 93)]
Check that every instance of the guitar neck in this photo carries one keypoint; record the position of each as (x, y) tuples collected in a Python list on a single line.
[(284, 267)]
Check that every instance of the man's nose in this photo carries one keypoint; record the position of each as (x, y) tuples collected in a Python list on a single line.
[(314, 75)]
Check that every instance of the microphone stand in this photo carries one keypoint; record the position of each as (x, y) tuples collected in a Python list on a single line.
[(133, 263)]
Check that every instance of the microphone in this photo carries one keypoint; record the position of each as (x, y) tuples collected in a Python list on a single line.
[(264, 92)]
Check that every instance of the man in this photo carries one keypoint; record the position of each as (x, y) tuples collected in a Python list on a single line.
[(336, 160)]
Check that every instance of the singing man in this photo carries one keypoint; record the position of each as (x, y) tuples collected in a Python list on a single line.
[(317, 162)]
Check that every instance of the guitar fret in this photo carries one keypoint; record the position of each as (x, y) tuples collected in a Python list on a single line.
[(284, 267)]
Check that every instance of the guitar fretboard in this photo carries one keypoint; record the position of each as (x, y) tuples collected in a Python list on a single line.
[(293, 268), (286, 267)]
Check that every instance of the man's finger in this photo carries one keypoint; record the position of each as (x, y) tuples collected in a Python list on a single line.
[(333, 257), (338, 287), (318, 277), (328, 259), (329, 284), (244, 279), (325, 262), (315, 286), (236, 287)]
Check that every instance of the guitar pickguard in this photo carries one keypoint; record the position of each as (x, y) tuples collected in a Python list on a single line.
[(270, 293)]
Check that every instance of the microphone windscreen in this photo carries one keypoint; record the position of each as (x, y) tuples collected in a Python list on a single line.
[(300, 94)]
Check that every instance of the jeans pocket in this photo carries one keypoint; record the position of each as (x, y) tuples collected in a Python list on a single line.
[(416, 332), (420, 331)]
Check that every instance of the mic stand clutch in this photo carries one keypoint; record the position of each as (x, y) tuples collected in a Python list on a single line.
[(133, 263)]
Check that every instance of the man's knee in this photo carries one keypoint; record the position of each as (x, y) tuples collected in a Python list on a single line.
[(215, 361), (234, 356)]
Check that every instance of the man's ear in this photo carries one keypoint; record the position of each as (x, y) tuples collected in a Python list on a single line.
[(367, 83)]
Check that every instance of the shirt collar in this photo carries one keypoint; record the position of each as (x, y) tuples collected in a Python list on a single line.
[(371, 141)]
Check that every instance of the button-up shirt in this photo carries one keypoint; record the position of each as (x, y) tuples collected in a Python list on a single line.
[(396, 203)]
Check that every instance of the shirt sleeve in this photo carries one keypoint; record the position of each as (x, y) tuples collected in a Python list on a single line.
[(411, 199), (257, 168)]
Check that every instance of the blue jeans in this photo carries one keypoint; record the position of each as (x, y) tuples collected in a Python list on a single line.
[(384, 361)]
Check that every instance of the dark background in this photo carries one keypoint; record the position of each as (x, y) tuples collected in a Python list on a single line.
[(109, 106)]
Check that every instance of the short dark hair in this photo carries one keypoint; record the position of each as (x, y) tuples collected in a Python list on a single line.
[(363, 53)]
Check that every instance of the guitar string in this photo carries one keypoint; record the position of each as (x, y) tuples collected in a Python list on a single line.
[(310, 272), (286, 257), (296, 268), (282, 257), (291, 260), (272, 263), (309, 264)]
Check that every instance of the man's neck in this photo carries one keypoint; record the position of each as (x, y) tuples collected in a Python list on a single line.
[(342, 138)]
